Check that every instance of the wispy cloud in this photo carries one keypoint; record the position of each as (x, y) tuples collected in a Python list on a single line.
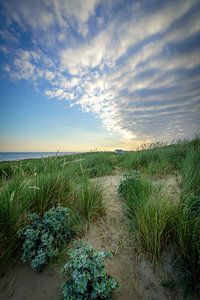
[(137, 68)]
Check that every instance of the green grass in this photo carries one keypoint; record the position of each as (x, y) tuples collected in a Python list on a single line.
[(151, 215), (31, 189), (97, 165), (157, 222), (30, 167), (188, 251), (155, 227), (156, 161), (135, 190), (191, 172), (90, 200), (188, 228)]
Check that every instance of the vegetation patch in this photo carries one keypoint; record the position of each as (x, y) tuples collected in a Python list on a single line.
[(188, 228), (151, 215), (158, 224), (98, 164), (90, 200), (86, 275), (43, 236), (135, 190)]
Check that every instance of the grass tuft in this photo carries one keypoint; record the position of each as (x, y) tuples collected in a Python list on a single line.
[(90, 200), (151, 215)]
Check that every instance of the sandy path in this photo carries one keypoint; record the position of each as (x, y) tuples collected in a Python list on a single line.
[(137, 278), (171, 184), (21, 282)]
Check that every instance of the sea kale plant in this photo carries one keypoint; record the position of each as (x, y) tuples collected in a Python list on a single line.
[(43, 236), (86, 275)]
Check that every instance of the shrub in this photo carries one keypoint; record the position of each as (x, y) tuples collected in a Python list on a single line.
[(43, 236), (87, 278)]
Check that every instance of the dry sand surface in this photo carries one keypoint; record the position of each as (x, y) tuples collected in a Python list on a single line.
[(170, 183), (21, 282)]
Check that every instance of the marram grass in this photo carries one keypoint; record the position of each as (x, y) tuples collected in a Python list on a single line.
[(159, 223)]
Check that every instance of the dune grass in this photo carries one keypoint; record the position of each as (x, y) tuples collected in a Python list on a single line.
[(155, 227), (188, 229), (90, 201), (157, 222), (98, 164), (151, 215), (37, 188), (188, 251), (157, 161)]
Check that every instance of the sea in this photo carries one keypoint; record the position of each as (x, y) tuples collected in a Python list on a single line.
[(7, 156)]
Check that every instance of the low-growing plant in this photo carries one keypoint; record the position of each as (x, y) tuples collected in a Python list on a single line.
[(86, 275), (43, 236)]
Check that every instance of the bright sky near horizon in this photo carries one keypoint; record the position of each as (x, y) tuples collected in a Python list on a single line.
[(78, 75)]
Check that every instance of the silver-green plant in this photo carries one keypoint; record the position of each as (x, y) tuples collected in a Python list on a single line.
[(86, 275), (43, 236)]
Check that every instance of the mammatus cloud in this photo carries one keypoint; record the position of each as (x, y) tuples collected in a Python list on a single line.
[(138, 70)]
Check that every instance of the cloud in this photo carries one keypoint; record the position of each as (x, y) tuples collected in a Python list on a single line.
[(8, 36), (23, 66), (138, 72), (43, 15)]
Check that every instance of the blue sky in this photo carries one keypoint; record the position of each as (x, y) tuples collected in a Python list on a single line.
[(78, 75)]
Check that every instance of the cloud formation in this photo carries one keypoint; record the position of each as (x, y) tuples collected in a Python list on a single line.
[(135, 65)]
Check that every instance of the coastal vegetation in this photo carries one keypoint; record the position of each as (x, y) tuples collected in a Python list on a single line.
[(36, 193), (86, 274), (158, 221), (43, 236)]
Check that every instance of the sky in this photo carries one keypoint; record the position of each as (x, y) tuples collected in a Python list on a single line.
[(98, 74)]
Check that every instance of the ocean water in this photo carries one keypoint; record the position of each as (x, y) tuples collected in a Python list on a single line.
[(6, 156)]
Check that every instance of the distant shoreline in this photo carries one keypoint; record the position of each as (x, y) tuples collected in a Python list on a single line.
[(17, 156)]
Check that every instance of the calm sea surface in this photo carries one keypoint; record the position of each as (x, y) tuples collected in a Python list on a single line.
[(5, 156)]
